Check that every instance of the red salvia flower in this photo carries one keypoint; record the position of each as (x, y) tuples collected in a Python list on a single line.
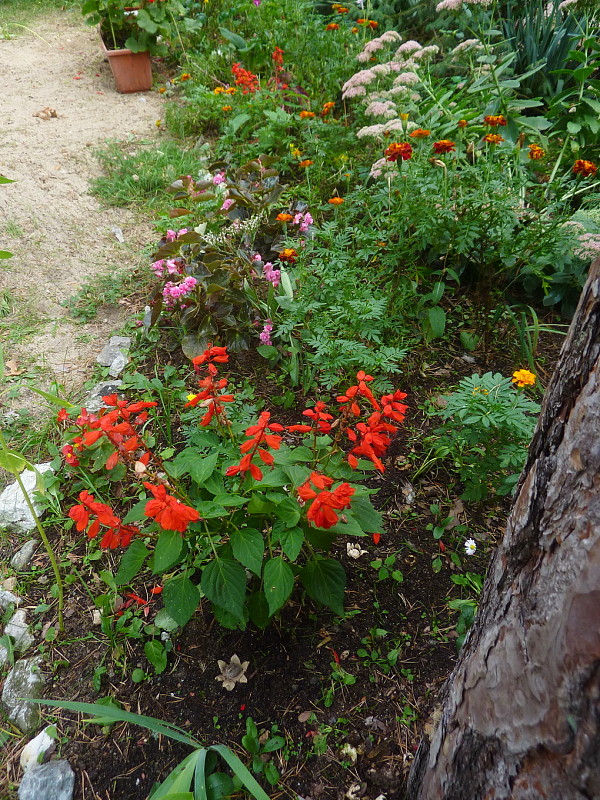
[(170, 513), (324, 503), (258, 436)]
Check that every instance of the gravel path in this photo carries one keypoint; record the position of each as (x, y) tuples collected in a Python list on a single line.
[(59, 234)]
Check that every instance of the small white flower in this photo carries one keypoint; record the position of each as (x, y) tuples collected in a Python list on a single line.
[(470, 547)]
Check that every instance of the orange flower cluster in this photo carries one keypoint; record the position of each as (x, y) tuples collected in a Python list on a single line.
[(116, 535), (170, 513), (223, 90), (245, 78), (536, 152), (258, 436), (306, 163), (327, 108), (324, 503), (419, 133), (493, 138), (462, 123), (584, 168), (319, 417), (332, 26), (335, 201), (398, 150), (494, 120), (339, 9), (284, 217), (307, 114), (226, 108), (369, 22), (444, 146)]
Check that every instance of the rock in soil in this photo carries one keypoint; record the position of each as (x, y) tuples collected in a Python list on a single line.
[(24, 680), (23, 556), (52, 781), (18, 628), (14, 511), (37, 750)]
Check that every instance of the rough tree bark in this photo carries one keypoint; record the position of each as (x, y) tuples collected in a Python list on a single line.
[(520, 714)]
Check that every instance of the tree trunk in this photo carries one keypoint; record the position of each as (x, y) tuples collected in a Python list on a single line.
[(520, 714)]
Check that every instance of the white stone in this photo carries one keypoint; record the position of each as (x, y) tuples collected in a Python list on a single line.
[(52, 781), (37, 749), (23, 681), (14, 511), (114, 354), (8, 598), (18, 629), (23, 556)]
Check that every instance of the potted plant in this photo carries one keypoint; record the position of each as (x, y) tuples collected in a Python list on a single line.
[(131, 34)]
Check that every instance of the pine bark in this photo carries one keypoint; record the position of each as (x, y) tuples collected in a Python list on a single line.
[(520, 714)]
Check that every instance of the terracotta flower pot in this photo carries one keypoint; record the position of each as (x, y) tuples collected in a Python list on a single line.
[(132, 71)]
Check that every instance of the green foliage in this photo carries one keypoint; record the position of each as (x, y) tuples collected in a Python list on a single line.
[(488, 424), (260, 745)]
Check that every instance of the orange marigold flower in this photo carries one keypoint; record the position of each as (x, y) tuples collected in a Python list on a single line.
[(335, 201), (170, 513), (306, 163), (494, 120), (219, 90), (342, 10), (307, 114), (362, 21), (332, 26), (185, 76), (398, 150), (419, 133), (462, 123), (327, 107), (231, 90), (354, 30), (493, 138), (536, 152), (162, 90), (289, 254), (444, 146), (284, 217), (523, 377), (584, 168), (226, 108), (372, 24)]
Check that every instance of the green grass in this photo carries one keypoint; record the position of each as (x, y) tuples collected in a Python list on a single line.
[(14, 14), (138, 173), (102, 290)]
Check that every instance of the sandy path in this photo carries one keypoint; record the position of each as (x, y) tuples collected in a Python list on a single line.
[(59, 234)]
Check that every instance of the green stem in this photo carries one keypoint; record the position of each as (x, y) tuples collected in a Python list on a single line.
[(44, 538)]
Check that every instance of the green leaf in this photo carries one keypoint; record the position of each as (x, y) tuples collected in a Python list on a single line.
[(240, 771), (167, 551), (181, 598), (274, 743), (288, 511), (156, 655), (248, 547), (258, 608), (12, 462), (52, 398), (368, 518), (325, 581), (5, 180), (278, 582), (224, 583), (235, 124), (228, 500), (145, 21), (136, 513), (236, 41), (291, 541), (436, 317), (131, 562), (119, 715), (267, 351), (5, 254), (191, 462)]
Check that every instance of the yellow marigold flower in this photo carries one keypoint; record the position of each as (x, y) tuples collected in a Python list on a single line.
[(336, 201), (162, 90), (523, 377), (354, 30), (230, 90), (284, 217), (219, 90), (307, 114), (493, 138), (226, 108), (404, 117), (185, 76)]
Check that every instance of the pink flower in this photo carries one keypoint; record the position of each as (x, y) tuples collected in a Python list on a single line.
[(265, 334), (159, 268), (227, 204), (174, 291), (170, 236), (219, 178), (272, 275)]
